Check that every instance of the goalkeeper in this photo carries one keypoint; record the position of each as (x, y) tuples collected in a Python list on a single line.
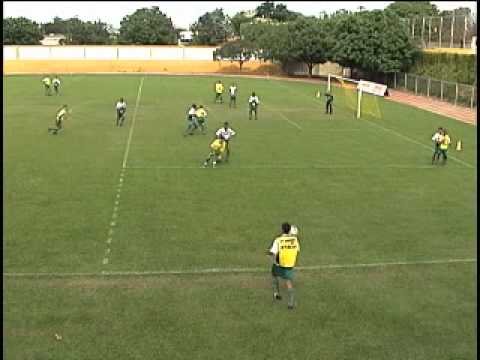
[(217, 152), (329, 104)]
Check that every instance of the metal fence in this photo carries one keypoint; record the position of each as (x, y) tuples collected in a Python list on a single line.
[(457, 31), (454, 93)]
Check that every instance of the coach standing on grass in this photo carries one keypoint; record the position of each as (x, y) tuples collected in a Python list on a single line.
[(284, 251)]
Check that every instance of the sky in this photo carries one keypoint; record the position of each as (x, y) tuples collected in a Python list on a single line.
[(182, 13)]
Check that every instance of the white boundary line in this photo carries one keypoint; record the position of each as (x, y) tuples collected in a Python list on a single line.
[(244, 270), (402, 136), (318, 167), (291, 122), (113, 221), (127, 150), (416, 142)]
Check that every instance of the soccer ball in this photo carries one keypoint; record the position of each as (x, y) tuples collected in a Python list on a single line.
[(294, 230)]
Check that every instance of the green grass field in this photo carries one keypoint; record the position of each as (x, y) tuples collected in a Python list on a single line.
[(163, 259)]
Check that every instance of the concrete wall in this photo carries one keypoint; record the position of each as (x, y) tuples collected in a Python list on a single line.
[(92, 59)]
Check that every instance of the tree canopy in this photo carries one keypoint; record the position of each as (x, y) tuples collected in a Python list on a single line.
[(236, 50), (21, 31), (78, 32), (148, 26), (279, 12), (212, 28), (374, 41), (408, 9)]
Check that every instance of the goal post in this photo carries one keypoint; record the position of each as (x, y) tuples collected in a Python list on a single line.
[(360, 96)]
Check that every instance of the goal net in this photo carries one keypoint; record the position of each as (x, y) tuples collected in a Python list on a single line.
[(361, 97)]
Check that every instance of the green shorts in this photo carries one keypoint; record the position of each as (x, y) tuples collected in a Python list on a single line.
[(283, 272)]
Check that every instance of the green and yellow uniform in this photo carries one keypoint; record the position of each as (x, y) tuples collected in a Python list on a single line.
[(201, 118), (47, 82), (285, 248), (61, 115), (219, 88), (444, 144), (218, 147)]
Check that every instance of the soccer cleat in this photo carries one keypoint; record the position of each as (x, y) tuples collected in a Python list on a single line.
[(290, 307), (277, 296)]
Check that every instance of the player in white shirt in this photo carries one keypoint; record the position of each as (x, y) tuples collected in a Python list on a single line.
[(56, 84), (437, 138), (192, 123), (226, 133), (121, 111), (232, 90), (253, 105)]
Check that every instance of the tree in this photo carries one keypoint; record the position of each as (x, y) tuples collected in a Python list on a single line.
[(147, 26), (212, 28), (265, 10), (78, 32), (21, 31), (373, 41), (409, 9), (236, 50), (309, 42), (237, 20)]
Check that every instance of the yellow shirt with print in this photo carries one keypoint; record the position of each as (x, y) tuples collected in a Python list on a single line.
[(61, 114), (445, 142), (201, 113), (219, 88), (218, 146), (46, 81), (288, 249)]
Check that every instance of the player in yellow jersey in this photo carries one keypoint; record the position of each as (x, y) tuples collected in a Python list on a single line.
[(219, 88), (47, 82), (62, 114), (201, 114), (217, 152), (444, 144), (284, 251)]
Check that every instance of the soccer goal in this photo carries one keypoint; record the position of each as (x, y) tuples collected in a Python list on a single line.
[(360, 96)]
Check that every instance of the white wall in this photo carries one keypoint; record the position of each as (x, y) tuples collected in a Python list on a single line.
[(108, 53), (9, 53)]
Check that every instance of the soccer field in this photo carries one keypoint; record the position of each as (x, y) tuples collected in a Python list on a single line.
[(120, 242)]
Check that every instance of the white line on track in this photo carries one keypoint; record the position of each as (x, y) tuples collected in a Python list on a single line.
[(245, 270)]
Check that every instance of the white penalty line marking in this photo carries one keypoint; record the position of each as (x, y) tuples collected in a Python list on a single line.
[(245, 270), (291, 122), (127, 150), (418, 143)]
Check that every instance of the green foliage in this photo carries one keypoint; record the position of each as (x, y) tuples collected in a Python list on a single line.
[(21, 31), (373, 41), (212, 28), (78, 32), (148, 26), (279, 12), (237, 20), (408, 9), (237, 50), (443, 66)]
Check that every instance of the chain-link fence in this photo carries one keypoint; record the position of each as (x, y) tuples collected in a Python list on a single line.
[(457, 31), (454, 93)]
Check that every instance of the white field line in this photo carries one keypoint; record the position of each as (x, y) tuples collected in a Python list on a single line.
[(252, 167), (291, 122), (243, 270), (416, 142), (127, 150), (399, 134)]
